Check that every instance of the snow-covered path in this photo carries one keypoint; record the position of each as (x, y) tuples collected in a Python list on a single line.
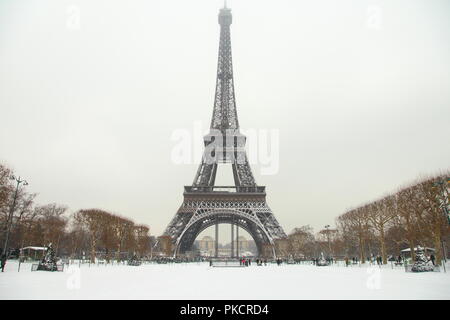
[(199, 281)]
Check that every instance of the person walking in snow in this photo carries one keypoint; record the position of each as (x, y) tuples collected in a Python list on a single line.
[(432, 258), (3, 262)]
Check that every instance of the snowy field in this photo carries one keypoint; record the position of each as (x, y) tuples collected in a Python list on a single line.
[(200, 281)]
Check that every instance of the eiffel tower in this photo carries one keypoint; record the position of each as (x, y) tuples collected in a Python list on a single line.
[(242, 205)]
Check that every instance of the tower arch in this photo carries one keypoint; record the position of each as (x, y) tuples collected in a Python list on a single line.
[(208, 218)]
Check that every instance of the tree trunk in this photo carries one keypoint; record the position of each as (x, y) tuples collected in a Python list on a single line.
[(383, 246), (438, 245), (93, 251), (119, 247), (361, 250), (413, 253)]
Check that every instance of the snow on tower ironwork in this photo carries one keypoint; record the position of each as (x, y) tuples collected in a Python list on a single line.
[(243, 204)]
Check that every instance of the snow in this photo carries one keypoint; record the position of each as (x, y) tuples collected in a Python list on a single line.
[(200, 281), (35, 248), (415, 249)]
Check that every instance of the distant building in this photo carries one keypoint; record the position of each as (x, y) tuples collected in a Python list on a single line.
[(224, 252), (206, 246), (246, 247), (243, 244)]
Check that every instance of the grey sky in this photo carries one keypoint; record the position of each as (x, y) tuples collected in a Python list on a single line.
[(359, 91)]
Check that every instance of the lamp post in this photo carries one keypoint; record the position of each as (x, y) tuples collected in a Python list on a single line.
[(327, 227), (11, 213)]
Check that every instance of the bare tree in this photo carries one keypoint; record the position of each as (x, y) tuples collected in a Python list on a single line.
[(165, 245), (6, 187), (301, 241), (142, 239), (430, 214), (53, 223), (77, 238), (356, 222), (93, 220), (406, 211), (122, 229), (328, 240), (380, 213)]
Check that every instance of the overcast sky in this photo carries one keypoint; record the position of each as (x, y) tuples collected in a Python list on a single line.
[(92, 91)]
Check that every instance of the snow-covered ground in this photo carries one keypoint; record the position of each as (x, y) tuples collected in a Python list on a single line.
[(200, 281)]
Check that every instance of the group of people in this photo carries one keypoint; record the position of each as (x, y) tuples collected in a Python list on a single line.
[(347, 261), (379, 260), (328, 260), (245, 262), (259, 262)]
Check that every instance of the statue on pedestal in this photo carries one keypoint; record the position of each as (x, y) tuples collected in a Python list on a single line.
[(48, 263), (322, 262), (134, 260), (422, 264)]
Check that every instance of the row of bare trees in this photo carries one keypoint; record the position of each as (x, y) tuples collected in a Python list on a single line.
[(92, 232), (412, 216), (303, 243), (110, 233)]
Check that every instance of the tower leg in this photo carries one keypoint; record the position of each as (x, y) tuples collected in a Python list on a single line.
[(216, 254), (237, 241), (232, 240)]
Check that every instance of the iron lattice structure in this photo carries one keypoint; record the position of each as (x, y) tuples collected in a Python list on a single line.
[(243, 204)]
